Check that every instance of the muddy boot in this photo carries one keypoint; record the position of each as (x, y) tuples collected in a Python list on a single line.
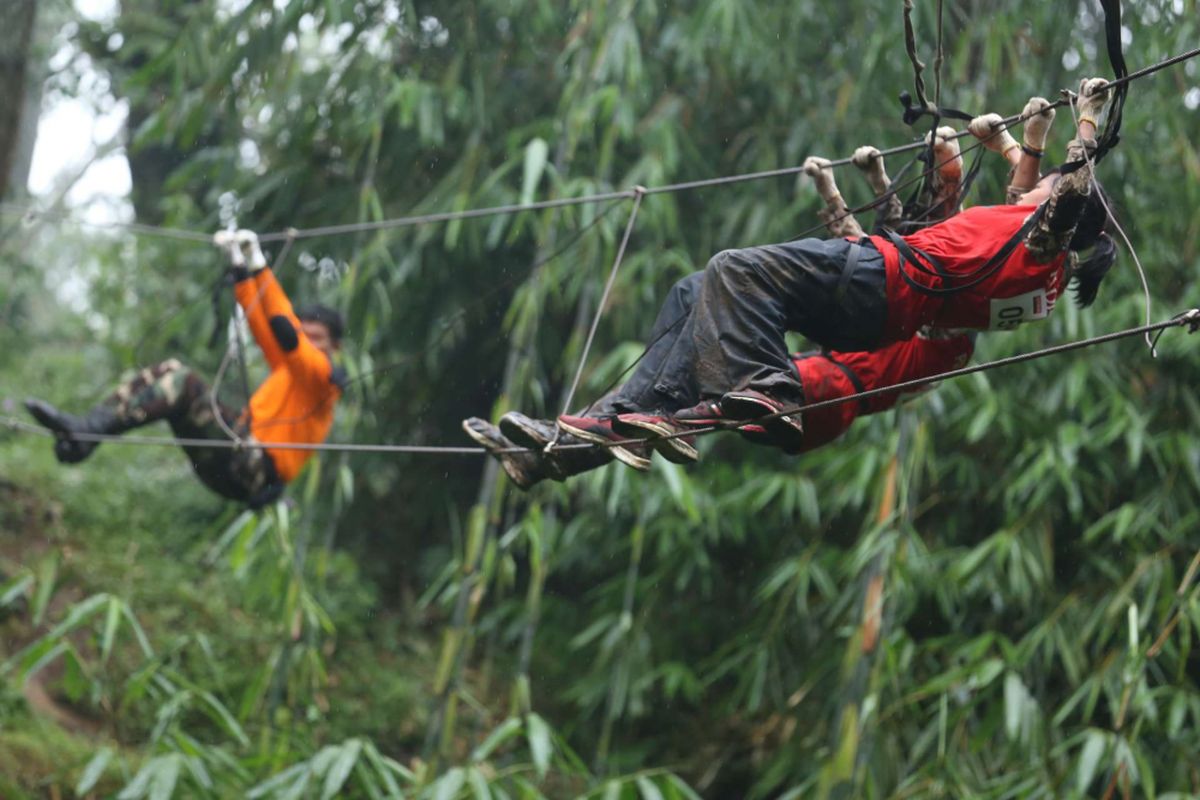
[(562, 461), (524, 467), (68, 448)]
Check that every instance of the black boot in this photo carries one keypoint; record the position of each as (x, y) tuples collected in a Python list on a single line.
[(525, 468), (561, 462), (69, 450)]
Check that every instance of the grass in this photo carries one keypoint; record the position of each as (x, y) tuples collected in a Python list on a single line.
[(134, 523)]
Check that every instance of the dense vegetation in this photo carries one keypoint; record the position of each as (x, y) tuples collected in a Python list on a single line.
[(962, 598)]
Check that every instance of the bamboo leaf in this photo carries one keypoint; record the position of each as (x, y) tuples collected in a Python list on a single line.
[(540, 743), (93, 771)]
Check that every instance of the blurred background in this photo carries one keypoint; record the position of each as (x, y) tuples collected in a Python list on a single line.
[(985, 593)]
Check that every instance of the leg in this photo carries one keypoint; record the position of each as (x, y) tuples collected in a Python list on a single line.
[(172, 392), (153, 393), (648, 388), (751, 297), (244, 474)]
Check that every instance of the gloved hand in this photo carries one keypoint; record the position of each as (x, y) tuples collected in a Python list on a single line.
[(945, 146), (1039, 116), (243, 249), (1093, 94), (822, 174), (870, 161), (985, 126)]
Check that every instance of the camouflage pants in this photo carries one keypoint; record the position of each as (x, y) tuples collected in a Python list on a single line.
[(171, 391)]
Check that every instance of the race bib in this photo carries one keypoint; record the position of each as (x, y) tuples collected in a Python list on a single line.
[(1009, 312)]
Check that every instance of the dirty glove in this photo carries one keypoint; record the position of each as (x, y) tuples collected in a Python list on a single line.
[(1039, 116), (870, 161), (946, 154), (985, 126), (1093, 94), (822, 174), (836, 216)]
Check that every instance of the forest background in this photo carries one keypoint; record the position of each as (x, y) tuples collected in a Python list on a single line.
[(985, 594)]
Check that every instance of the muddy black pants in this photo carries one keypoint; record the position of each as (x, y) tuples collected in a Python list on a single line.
[(171, 391), (723, 329)]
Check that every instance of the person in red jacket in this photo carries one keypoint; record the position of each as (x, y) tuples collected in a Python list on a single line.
[(294, 405), (987, 268), (519, 443)]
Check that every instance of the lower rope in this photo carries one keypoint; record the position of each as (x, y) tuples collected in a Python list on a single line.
[(1189, 318)]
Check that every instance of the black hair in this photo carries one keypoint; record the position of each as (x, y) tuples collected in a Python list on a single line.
[(329, 317), (1092, 250)]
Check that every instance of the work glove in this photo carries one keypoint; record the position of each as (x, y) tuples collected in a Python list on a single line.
[(945, 148), (1039, 116), (1093, 94), (243, 249), (821, 172), (870, 161), (983, 128)]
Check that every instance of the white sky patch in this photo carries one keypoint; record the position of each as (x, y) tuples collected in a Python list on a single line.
[(75, 140)]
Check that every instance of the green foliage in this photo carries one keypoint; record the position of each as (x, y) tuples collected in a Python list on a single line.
[(1012, 616)]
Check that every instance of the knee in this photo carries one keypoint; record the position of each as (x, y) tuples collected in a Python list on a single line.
[(170, 367), (686, 289), (732, 267)]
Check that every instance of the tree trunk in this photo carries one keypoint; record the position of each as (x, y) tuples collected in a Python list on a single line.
[(16, 35)]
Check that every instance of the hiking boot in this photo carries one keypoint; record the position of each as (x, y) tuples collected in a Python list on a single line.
[(524, 468), (563, 461), (600, 431), (67, 448), (705, 414), (750, 404), (527, 431), (757, 434), (708, 414), (677, 449)]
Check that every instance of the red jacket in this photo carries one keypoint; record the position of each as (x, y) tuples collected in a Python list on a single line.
[(1020, 290), (826, 376)]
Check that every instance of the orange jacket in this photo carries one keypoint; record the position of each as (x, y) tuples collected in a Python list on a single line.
[(295, 403)]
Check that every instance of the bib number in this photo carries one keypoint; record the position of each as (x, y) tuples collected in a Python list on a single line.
[(1009, 312)]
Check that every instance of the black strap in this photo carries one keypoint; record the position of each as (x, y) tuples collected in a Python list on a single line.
[(974, 278), (1116, 57), (914, 111), (223, 281), (863, 406), (852, 256)]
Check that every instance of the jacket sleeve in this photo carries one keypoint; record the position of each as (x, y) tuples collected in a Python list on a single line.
[(250, 297), (1053, 231), (277, 331)]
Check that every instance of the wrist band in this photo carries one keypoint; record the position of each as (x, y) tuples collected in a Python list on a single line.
[(1085, 118), (1008, 149), (1032, 151)]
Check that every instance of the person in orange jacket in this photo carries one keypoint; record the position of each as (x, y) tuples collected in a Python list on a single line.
[(294, 405)]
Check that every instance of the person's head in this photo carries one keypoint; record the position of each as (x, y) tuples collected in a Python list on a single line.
[(323, 326), (1092, 251)]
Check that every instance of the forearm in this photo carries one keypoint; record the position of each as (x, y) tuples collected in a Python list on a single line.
[(889, 211), (836, 215), (1068, 199), (1025, 175), (249, 297)]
